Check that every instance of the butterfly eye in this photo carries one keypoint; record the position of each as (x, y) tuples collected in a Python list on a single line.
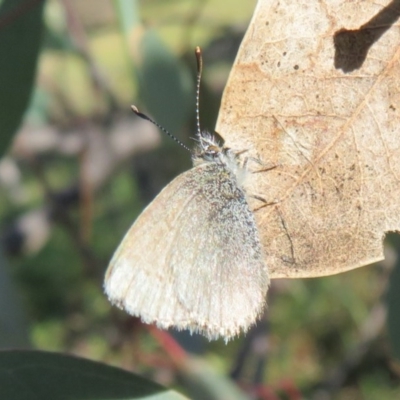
[(213, 149), (212, 152)]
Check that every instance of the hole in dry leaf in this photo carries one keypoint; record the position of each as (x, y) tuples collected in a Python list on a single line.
[(352, 46)]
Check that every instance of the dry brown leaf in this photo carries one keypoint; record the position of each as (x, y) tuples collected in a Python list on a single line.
[(315, 90)]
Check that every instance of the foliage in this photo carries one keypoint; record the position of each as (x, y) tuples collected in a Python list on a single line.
[(81, 168)]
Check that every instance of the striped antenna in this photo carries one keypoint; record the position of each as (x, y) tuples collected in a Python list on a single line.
[(144, 116), (199, 60)]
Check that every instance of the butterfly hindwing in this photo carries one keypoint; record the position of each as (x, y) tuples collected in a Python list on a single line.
[(223, 281)]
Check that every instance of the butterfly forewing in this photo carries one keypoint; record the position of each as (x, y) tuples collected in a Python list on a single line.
[(193, 258)]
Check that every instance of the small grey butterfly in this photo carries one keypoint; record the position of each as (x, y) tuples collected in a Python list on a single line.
[(193, 259)]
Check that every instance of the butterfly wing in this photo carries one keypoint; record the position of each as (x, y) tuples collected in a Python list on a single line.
[(193, 258), (224, 280)]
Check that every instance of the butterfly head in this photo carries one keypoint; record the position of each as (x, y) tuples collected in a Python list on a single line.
[(210, 151)]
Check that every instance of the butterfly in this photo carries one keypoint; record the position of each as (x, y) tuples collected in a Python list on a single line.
[(193, 259)]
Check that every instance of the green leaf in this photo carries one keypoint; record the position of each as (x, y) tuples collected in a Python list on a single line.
[(203, 382), (31, 375), (20, 38), (393, 304), (166, 85), (13, 322), (128, 14)]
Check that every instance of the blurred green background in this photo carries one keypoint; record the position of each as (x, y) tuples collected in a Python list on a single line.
[(77, 167)]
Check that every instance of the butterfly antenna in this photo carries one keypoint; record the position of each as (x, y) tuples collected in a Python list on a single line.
[(199, 60), (144, 116)]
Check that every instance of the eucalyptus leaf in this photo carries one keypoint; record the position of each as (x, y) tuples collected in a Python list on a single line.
[(20, 37), (27, 375)]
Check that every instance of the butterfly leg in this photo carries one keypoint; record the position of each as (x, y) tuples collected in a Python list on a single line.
[(264, 201)]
